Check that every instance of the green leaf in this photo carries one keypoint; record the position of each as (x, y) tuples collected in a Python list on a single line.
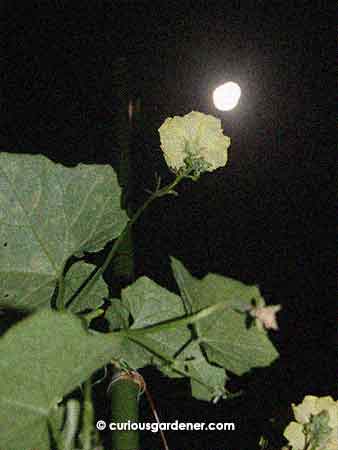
[(75, 276), (43, 358), (197, 293), (48, 213), (150, 304), (171, 349), (117, 315), (224, 336), (212, 379)]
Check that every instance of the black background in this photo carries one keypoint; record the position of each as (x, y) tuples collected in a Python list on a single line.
[(266, 218)]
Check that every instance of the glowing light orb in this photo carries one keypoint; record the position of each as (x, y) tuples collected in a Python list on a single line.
[(226, 96)]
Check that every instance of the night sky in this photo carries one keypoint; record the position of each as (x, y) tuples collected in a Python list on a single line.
[(267, 218)]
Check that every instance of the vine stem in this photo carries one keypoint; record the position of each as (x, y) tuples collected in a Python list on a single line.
[(172, 324), (71, 425), (88, 416), (60, 304), (172, 361), (94, 276)]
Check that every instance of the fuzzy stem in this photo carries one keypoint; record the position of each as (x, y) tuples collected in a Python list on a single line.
[(92, 315), (172, 362), (172, 324), (72, 422), (88, 416)]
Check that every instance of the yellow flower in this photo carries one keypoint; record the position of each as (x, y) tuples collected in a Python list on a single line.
[(325, 436), (315, 405), (195, 140)]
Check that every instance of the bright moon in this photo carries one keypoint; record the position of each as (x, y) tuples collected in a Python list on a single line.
[(226, 96)]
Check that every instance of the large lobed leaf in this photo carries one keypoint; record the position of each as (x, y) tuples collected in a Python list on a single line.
[(76, 275), (222, 340), (49, 212), (43, 358), (225, 336), (149, 304)]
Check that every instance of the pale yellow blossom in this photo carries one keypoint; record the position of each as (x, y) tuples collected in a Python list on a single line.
[(311, 408), (196, 136)]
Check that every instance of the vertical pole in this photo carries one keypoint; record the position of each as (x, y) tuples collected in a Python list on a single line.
[(121, 84), (124, 401), (125, 389)]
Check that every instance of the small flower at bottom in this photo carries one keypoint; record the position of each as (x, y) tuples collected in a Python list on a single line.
[(266, 316)]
